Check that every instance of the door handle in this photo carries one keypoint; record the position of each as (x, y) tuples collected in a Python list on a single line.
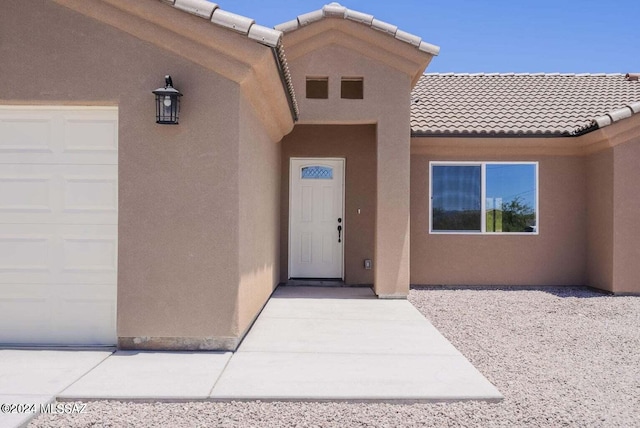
[(339, 233)]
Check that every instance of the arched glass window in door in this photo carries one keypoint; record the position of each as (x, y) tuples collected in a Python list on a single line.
[(317, 173)]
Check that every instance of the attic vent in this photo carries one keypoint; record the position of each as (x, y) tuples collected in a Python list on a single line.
[(352, 88), (318, 87)]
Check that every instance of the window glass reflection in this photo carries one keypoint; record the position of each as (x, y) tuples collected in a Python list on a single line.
[(456, 198), (510, 198)]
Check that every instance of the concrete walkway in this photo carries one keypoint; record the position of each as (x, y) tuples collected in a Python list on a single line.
[(345, 344), (309, 343), (31, 378)]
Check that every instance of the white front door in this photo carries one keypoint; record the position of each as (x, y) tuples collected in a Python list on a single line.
[(316, 218)]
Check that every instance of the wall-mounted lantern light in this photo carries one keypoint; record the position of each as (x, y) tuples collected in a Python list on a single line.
[(167, 103)]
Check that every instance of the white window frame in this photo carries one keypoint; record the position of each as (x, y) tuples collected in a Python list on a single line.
[(483, 198)]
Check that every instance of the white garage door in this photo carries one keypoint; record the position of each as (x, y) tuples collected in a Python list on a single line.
[(58, 225)]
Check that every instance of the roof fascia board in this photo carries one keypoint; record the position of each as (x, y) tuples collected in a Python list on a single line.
[(617, 133), (487, 147)]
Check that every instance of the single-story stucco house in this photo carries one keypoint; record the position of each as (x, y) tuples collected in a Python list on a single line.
[(317, 150)]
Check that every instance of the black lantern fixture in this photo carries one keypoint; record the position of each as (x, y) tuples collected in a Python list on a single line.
[(167, 103)]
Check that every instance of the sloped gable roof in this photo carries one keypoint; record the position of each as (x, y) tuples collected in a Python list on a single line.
[(521, 104), (336, 10)]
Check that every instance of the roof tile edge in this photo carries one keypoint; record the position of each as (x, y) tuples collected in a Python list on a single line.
[(616, 115), (246, 26), (524, 74), (201, 8), (241, 24), (336, 10), (288, 26), (363, 18), (235, 22)]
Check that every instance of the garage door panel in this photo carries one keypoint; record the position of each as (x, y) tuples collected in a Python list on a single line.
[(94, 304), (31, 305), (90, 255), (22, 193), (25, 253), (67, 194), (34, 315), (71, 254), (91, 194), (58, 135), (87, 134), (96, 315), (59, 314), (26, 136), (58, 225)]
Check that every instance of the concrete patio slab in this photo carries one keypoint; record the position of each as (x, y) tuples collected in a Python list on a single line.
[(348, 336), (340, 309), (313, 343), (33, 377), (328, 376), (151, 375), (44, 372), (10, 416)]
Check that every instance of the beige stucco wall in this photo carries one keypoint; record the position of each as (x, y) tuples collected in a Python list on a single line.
[(259, 216), (626, 208), (600, 219), (556, 256), (386, 104), (186, 240), (357, 145), (613, 206)]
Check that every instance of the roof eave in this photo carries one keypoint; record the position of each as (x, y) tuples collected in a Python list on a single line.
[(445, 134), (617, 115), (337, 11), (245, 26)]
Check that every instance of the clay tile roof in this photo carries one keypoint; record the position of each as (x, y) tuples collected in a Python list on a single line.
[(335, 10), (247, 27), (521, 104)]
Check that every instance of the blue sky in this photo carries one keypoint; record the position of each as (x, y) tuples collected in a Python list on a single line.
[(564, 36)]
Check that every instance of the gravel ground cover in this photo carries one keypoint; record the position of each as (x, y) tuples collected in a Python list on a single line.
[(561, 357)]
